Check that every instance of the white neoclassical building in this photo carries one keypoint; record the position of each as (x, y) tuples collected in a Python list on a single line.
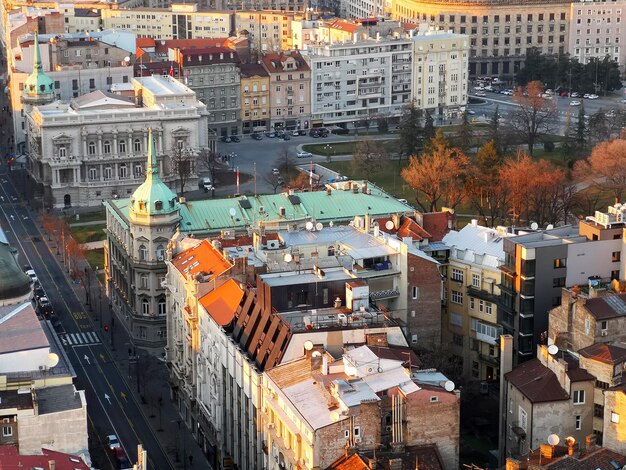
[(95, 147)]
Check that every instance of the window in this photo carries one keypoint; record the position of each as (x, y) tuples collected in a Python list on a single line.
[(579, 422), (416, 292), (457, 297), (488, 308), (162, 308), (558, 282), (91, 148), (604, 325), (579, 397), (616, 256), (62, 151), (614, 418), (138, 171), (93, 173), (107, 147), (145, 307), (123, 171), (471, 299), (143, 281), (523, 418), (457, 275), (559, 263), (476, 280), (7, 431), (457, 339), (143, 252), (481, 305), (122, 146), (137, 146), (160, 252), (108, 173)]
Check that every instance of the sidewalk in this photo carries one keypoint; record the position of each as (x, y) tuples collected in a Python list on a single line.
[(146, 377)]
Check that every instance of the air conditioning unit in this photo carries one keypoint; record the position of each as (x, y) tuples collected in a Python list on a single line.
[(388, 428), (357, 440), (604, 333), (262, 209)]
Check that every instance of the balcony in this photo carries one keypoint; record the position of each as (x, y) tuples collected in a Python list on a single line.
[(487, 333), (384, 294), (493, 360)]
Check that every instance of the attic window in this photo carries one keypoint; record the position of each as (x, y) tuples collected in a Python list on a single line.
[(158, 205), (172, 202), (434, 399), (294, 199)]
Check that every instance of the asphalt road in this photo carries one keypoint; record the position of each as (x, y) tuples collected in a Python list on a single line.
[(110, 405)]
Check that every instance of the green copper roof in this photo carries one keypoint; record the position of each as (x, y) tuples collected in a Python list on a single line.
[(153, 197), (38, 83), (214, 215), (13, 282)]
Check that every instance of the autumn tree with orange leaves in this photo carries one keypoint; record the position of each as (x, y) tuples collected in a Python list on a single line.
[(605, 167), (437, 175)]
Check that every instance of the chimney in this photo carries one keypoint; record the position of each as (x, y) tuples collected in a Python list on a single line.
[(52, 464), (325, 364), (590, 442), (367, 222), (364, 187)]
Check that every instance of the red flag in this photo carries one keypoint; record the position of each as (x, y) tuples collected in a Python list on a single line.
[(171, 69)]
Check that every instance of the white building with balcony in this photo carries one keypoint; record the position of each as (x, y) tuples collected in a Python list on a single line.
[(95, 147)]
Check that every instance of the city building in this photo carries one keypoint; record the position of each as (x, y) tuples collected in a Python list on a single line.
[(255, 98), (596, 31), (95, 147), (319, 406), (290, 90), (76, 64), (213, 74), (10, 457), (499, 32), (267, 30), (84, 20), (470, 328), (582, 456), (361, 79), (439, 82), (28, 21)]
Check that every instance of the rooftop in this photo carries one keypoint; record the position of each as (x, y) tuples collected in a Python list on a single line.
[(58, 399), (536, 382), (558, 236), (15, 399), (607, 306), (606, 353), (10, 459), (20, 330), (597, 459), (477, 244), (222, 302), (201, 262)]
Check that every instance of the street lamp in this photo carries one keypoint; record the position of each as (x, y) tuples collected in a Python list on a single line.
[(328, 148)]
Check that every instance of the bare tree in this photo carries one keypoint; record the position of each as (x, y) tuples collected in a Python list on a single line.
[(274, 180), (182, 160), (535, 116), (209, 162), (369, 157)]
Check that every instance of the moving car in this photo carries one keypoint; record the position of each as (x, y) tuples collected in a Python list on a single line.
[(303, 154), (234, 138), (113, 442), (593, 96), (33, 275), (481, 93), (206, 184), (574, 94), (271, 135), (574, 103), (257, 136), (226, 139), (121, 460), (295, 133)]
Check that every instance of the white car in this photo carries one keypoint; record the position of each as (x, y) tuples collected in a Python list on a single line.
[(275, 171), (113, 442), (33, 275), (574, 103), (481, 93), (593, 96), (304, 155)]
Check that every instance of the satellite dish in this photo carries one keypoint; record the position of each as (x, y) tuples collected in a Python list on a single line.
[(334, 416), (549, 227), (449, 385), (316, 354), (330, 224), (287, 257), (308, 345), (553, 439), (232, 212), (309, 226), (534, 226), (127, 59), (553, 349), (389, 225), (319, 226), (53, 360)]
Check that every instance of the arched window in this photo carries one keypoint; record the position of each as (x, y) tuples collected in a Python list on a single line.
[(123, 171), (108, 172), (158, 205), (93, 173), (162, 307), (107, 147), (143, 253), (137, 146), (122, 146), (138, 170), (160, 252), (91, 148), (145, 307), (143, 281)]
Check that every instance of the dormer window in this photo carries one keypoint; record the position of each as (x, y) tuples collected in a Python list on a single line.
[(158, 205), (172, 203)]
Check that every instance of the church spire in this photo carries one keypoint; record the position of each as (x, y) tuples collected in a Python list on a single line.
[(38, 87), (153, 165), (37, 67)]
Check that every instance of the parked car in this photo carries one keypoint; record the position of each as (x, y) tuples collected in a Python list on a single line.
[(340, 131), (226, 139), (271, 135), (39, 292), (574, 103), (481, 93), (302, 132), (275, 171), (33, 275), (235, 138), (303, 154), (113, 442), (121, 460), (574, 94), (593, 96), (295, 133), (257, 136)]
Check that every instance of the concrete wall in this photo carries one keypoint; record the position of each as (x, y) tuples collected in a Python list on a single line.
[(591, 259), (65, 431), (24, 360), (423, 315), (614, 434)]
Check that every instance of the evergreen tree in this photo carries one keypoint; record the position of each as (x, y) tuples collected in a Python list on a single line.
[(494, 129), (411, 130), (465, 134), (429, 127), (581, 128)]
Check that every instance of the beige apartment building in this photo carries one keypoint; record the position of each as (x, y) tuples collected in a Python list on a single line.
[(500, 31), (255, 98), (266, 30), (290, 90), (597, 31)]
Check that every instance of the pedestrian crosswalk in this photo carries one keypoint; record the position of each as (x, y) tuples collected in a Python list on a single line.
[(81, 339)]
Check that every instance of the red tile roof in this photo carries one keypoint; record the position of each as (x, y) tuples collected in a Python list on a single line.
[(201, 260), (162, 47), (274, 62), (344, 26), (536, 382), (410, 228), (221, 303), (605, 353), (437, 224), (396, 353), (600, 458), (352, 462), (10, 459)]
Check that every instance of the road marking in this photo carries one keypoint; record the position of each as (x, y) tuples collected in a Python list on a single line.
[(82, 339)]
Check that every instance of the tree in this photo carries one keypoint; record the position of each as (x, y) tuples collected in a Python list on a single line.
[(274, 180), (483, 187), (286, 164), (534, 116), (182, 161), (607, 166), (438, 174), (600, 128), (411, 130), (494, 128), (301, 181), (465, 134), (581, 128), (383, 124), (369, 157), (429, 127), (209, 162)]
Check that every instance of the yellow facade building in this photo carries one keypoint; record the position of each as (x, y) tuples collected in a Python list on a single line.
[(255, 98)]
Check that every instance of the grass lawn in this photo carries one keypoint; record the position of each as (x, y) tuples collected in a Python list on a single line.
[(95, 258), (97, 214), (348, 148), (88, 233)]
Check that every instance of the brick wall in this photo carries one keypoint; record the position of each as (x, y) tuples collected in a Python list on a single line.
[(424, 312)]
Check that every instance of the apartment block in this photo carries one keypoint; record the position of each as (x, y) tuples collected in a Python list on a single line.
[(290, 90), (439, 82), (500, 32), (359, 79), (267, 31), (597, 31), (470, 324), (255, 98), (213, 74)]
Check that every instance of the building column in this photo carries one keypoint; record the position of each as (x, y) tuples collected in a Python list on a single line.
[(84, 139), (145, 142), (99, 142), (101, 172), (129, 148), (116, 176), (160, 148), (115, 149)]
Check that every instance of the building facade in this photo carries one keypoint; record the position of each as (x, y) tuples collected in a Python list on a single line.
[(213, 73), (290, 90), (267, 31), (440, 73), (95, 147), (499, 32), (255, 98)]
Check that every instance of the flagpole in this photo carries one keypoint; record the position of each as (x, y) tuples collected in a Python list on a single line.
[(311, 176), (254, 179), (237, 180)]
